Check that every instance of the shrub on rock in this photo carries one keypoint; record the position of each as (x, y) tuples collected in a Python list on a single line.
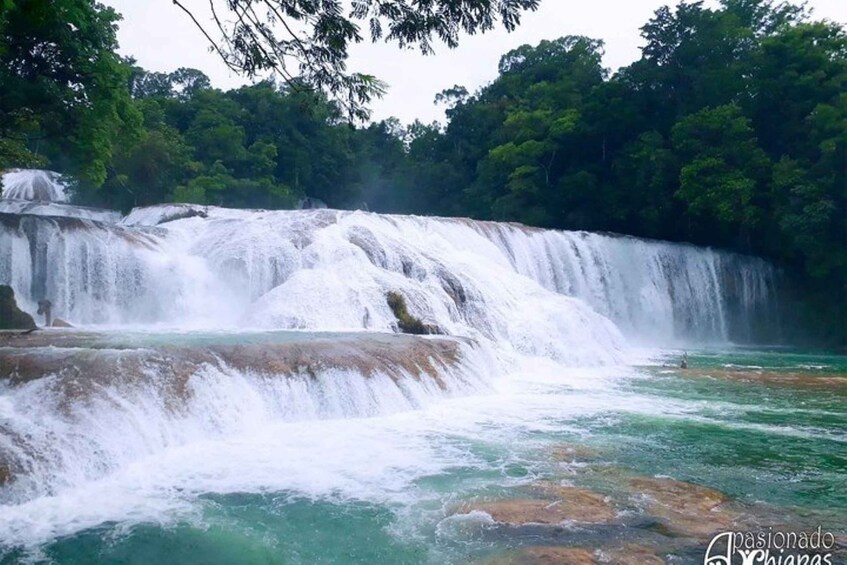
[(12, 317)]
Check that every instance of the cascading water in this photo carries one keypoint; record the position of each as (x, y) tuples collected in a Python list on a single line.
[(200, 304), (325, 269), (33, 184), (657, 292)]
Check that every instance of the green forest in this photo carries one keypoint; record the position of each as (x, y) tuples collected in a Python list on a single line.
[(729, 131)]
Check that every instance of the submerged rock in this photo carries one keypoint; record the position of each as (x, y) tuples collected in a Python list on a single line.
[(794, 379), (561, 504), (568, 452), (520, 512), (630, 554), (546, 555), (683, 508), (12, 317), (585, 505)]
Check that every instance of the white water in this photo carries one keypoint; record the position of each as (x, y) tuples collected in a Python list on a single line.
[(59, 433), (41, 208), (535, 301), (330, 270), (237, 440), (33, 184)]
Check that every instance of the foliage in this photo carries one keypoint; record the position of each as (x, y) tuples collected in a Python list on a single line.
[(254, 36), (63, 92)]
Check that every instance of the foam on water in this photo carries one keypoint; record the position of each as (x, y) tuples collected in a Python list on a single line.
[(246, 448)]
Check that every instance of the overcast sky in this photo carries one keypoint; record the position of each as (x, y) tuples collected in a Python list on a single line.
[(162, 38)]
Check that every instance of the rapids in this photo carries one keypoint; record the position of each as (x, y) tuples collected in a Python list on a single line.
[(222, 351)]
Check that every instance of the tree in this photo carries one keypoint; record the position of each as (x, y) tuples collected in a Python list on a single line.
[(257, 36), (63, 88), (724, 172)]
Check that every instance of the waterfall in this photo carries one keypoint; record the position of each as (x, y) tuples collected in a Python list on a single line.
[(69, 417), (33, 184), (655, 291), (181, 309), (540, 290)]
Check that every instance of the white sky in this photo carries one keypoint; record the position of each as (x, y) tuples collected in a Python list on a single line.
[(162, 38)]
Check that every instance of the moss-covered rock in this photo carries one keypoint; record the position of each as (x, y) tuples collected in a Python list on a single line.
[(12, 317), (407, 323)]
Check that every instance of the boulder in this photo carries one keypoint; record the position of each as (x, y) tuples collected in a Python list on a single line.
[(12, 317), (60, 323)]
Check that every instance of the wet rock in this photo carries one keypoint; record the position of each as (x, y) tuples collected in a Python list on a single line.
[(521, 512), (683, 508), (364, 239), (574, 452), (60, 323), (561, 504), (454, 288), (546, 555), (12, 317), (84, 361), (630, 554), (585, 506), (795, 379), (5, 475)]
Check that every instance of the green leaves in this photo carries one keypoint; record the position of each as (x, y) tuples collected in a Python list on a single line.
[(724, 172), (62, 86), (306, 43)]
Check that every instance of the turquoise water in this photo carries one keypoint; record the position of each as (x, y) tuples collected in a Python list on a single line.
[(391, 489)]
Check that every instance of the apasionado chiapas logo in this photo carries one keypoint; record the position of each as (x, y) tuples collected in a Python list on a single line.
[(771, 548)]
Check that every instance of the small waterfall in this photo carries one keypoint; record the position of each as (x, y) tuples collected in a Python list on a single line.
[(69, 416), (34, 184), (93, 273)]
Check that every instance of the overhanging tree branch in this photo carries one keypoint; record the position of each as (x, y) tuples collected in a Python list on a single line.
[(251, 44)]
